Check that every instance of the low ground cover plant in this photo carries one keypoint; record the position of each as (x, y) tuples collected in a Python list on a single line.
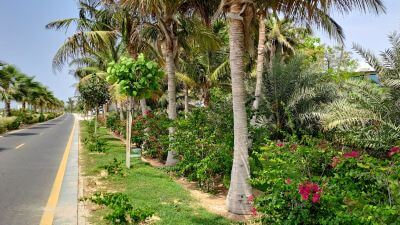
[(122, 210), (319, 184)]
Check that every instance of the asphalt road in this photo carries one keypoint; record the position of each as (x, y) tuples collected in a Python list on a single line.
[(29, 160)]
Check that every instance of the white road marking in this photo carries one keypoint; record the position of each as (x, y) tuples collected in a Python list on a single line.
[(19, 146)]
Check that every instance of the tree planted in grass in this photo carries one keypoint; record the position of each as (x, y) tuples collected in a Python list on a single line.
[(136, 79), (94, 93)]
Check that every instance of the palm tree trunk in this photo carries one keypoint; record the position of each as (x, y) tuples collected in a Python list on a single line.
[(239, 189), (143, 107), (260, 61), (186, 101), (170, 64), (8, 107)]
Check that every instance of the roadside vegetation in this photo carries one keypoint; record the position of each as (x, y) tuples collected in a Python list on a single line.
[(137, 194), (38, 104), (241, 98)]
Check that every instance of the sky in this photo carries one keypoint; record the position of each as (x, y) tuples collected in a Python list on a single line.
[(26, 43)]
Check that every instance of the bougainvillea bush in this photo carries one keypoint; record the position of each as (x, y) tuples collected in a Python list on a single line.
[(321, 185)]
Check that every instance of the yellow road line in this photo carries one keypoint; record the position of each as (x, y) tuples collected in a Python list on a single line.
[(19, 146), (49, 210)]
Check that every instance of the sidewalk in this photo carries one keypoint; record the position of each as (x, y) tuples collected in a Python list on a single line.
[(67, 208)]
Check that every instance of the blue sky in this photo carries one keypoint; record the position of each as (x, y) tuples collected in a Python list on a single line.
[(26, 43)]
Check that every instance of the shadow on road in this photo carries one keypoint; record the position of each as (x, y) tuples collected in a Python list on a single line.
[(22, 134), (39, 127), (3, 149)]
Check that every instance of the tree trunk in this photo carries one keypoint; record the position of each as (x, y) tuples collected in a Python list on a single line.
[(260, 62), (95, 121), (121, 112), (143, 107), (239, 189), (170, 64), (105, 110), (8, 108), (186, 101), (23, 106), (128, 134)]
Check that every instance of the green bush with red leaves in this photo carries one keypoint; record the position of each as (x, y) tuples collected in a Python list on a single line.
[(318, 184)]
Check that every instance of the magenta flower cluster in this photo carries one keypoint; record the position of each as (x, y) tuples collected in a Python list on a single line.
[(309, 189)]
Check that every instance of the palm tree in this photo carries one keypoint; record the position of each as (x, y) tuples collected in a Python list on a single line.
[(7, 86), (70, 104), (313, 13), (240, 14)]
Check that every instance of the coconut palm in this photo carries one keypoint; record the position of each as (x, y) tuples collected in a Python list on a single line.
[(240, 14)]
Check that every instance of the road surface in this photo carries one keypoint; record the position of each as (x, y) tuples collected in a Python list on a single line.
[(29, 161)]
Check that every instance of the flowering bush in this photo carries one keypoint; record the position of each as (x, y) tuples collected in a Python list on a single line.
[(313, 185)]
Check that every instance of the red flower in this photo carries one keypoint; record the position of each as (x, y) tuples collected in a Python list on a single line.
[(280, 144), (353, 154), (293, 147), (335, 161), (393, 150), (253, 211), (309, 188), (250, 198), (288, 181), (316, 198)]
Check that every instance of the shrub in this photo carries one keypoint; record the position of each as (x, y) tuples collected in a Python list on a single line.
[(15, 124), (93, 142), (122, 210), (114, 167), (204, 142), (42, 118), (318, 185), (155, 137)]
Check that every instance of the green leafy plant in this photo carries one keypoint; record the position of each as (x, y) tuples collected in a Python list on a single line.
[(204, 143), (317, 184), (114, 168), (136, 78), (122, 210)]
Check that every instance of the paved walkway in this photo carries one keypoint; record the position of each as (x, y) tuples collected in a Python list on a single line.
[(67, 210)]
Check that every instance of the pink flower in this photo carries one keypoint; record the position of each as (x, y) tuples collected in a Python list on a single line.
[(253, 211), (250, 198), (288, 181), (309, 188), (280, 144), (316, 198), (353, 154), (393, 150)]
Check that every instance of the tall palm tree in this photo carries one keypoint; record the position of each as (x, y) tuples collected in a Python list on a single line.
[(161, 15), (8, 86), (240, 14)]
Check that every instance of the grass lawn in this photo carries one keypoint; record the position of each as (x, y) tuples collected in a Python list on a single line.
[(146, 187)]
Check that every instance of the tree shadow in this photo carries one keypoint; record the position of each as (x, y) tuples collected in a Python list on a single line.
[(39, 127), (4, 149), (22, 134)]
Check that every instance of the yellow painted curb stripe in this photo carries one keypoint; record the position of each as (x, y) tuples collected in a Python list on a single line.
[(49, 210), (19, 146)]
